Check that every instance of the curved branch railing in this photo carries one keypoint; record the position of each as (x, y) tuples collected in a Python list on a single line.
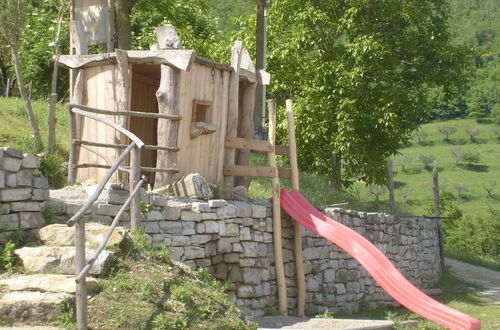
[(134, 150)]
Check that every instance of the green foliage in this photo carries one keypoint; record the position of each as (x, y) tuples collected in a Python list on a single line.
[(471, 157), (477, 235), (427, 160), (325, 315), (67, 314), (145, 208), (52, 168), (446, 131), (48, 214), (358, 72), (137, 245), (7, 257)]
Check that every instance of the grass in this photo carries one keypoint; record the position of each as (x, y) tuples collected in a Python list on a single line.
[(471, 258), (15, 130), (146, 290), (456, 294)]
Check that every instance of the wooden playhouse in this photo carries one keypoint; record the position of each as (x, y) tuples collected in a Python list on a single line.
[(183, 107)]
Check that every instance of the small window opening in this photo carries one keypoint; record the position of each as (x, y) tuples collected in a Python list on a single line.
[(201, 111)]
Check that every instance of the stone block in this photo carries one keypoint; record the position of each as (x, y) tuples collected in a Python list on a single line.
[(340, 288), (12, 195), (2, 179), (108, 209), (170, 227), (180, 241), (245, 291), (172, 212), (11, 180), (114, 196), (176, 253), (9, 222), (211, 249), (193, 185), (251, 276), (228, 211), (201, 239), (217, 203), (232, 230), (8, 151), (245, 234), (188, 228), (25, 207), (208, 216), (158, 200), (24, 178), (10, 164), (243, 210), (235, 275), (154, 215), (203, 263), (250, 249), (201, 207), (190, 216), (40, 195), (211, 227), (31, 220), (258, 211), (4, 209), (231, 258), (30, 161), (151, 227), (224, 245), (194, 252), (40, 182)]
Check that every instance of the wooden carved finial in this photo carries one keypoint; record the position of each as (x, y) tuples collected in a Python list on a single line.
[(167, 37)]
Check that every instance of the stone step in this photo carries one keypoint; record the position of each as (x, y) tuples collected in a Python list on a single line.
[(62, 235), (31, 308), (60, 260), (46, 283)]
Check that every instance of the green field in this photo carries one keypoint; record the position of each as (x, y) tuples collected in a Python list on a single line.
[(474, 200)]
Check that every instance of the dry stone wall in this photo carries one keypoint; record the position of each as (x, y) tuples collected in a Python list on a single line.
[(23, 191), (233, 240)]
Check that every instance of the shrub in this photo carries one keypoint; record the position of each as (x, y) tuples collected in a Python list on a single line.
[(403, 160), (427, 160), (457, 153), (52, 168), (377, 191), (420, 135), (471, 158), (472, 132), (446, 131), (461, 188)]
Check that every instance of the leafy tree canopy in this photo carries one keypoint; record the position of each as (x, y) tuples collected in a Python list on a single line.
[(359, 71)]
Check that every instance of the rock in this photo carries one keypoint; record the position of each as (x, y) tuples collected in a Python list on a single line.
[(12, 152), (12, 195), (11, 180), (40, 182), (9, 221), (251, 276), (2, 179), (25, 178), (172, 212), (62, 235), (46, 283), (25, 207), (217, 203), (194, 186), (240, 193), (228, 211), (258, 211), (40, 195), (4, 209), (30, 161), (31, 220), (59, 260), (31, 307), (10, 164)]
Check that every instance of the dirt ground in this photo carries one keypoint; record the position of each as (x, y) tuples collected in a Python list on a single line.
[(487, 278)]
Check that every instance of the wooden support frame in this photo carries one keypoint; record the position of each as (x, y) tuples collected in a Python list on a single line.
[(278, 245), (297, 233)]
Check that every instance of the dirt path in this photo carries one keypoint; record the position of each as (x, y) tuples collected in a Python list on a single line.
[(487, 278)]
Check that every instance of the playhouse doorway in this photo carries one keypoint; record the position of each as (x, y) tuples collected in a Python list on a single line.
[(145, 83)]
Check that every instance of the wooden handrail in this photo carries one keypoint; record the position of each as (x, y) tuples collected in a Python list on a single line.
[(100, 187), (113, 225), (122, 146), (124, 112)]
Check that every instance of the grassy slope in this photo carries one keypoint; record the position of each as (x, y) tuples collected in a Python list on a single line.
[(14, 125), (475, 200)]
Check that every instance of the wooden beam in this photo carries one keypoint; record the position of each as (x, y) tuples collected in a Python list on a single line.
[(215, 65), (278, 244), (248, 76), (297, 235), (178, 58), (252, 171), (233, 108), (121, 146), (282, 150), (250, 144), (125, 113)]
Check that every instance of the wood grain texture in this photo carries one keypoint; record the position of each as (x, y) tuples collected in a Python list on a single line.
[(246, 128)]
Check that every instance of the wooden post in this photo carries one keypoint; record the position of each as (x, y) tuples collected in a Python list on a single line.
[(437, 210), (233, 108), (122, 92), (168, 103), (247, 129), (299, 260), (278, 249), (73, 148), (135, 177), (110, 40), (390, 179), (81, 285), (259, 116)]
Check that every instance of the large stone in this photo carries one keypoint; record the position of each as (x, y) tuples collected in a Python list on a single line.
[(2, 179), (25, 207), (9, 222), (25, 307), (8, 151), (25, 178), (193, 185), (62, 235), (30, 161), (10, 164), (31, 220), (4, 209), (40, 182), (40, 194), (46, 283), (12, 195), (60, 260)]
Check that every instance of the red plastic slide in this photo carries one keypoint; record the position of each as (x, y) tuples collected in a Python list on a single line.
[(375, 262)]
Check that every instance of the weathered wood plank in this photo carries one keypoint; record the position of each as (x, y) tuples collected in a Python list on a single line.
[(252, 171), (250, 144), (178, 58), (125, 113)]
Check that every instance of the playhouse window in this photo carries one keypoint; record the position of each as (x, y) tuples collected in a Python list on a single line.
[(201, 111)]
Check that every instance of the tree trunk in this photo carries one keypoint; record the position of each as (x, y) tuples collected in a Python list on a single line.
[(336, 179), (24, 95), (53, 92), (123, 25)]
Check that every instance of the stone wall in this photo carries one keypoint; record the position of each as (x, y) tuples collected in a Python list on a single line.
[(233, 240), (23, 191)]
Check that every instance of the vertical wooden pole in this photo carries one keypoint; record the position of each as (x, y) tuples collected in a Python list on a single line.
[(81, 286), (73, 148), (233, 108), (299, 260), (437, 210), (135, 176), (259, 116), (110, 38), (278, 249), (390, 179)]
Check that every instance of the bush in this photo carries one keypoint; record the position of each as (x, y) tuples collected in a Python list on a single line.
[(427, 160), (446, 131), (52, 168), (471, 157)]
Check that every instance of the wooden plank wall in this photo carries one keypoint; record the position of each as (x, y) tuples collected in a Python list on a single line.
[(203, 154), (99, 92)]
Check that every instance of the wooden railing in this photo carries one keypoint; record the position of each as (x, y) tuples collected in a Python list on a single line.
[(82, 265), (92, 113)]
